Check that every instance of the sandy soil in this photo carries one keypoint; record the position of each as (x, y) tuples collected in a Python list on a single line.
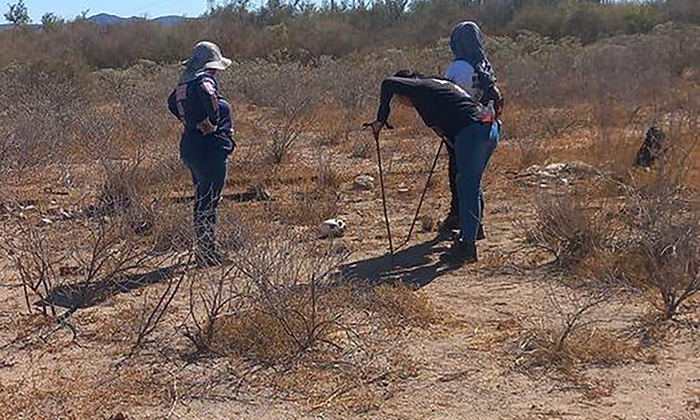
[(464, 365)]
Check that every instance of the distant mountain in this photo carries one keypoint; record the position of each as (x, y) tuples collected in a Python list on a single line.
[(5, 26), (105, 19), (171, 20)]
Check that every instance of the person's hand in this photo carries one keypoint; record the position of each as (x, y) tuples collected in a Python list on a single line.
[(377, 127), (206, 127)]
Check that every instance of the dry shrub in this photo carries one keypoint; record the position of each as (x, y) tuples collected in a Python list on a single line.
[(78, 262), (288, 91), (279, 328), (272, 304), (528, 152), (539, 348), (568, 333), (122, 188), (173, 230), (335, 124), (327, 176), (281, 306), (565, 227), (665, 247)]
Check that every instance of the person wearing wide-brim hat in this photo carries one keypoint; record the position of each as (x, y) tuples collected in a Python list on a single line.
[(207, 140)]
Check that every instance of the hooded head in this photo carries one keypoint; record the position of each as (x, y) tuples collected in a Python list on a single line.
[(467, 43), (205, 56)]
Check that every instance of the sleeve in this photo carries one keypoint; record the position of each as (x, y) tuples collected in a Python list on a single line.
[(494, 94), (395, 86), (226, 122), (172, 105), (208, 98)]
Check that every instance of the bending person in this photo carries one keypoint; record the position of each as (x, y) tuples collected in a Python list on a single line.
[(454, 114), (207, 140), (472, 71)]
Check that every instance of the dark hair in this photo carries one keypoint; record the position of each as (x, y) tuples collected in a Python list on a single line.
[(408, 74)]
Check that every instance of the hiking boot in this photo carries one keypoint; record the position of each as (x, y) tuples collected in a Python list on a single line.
[(461, 253)]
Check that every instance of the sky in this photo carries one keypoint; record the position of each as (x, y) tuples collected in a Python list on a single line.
[(71, 8)]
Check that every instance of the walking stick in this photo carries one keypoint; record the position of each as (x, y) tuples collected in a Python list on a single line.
[(422, 197), (381, 183)]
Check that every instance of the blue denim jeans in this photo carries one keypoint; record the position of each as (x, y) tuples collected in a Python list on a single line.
[(208, 168), (474, 146)]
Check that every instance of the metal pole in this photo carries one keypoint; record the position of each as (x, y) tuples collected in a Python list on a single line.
[(381, 182), (422, 197)]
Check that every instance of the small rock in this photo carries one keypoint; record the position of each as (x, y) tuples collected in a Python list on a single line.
[(332, 228), (363, 182)]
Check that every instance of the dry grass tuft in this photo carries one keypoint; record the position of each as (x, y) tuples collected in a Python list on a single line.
[(542, 348), (400, 306), (57, 393), (566, 228)]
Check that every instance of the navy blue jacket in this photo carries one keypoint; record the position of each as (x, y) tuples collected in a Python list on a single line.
[(192, 103)]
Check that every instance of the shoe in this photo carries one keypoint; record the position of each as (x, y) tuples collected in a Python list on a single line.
[(461, 253)]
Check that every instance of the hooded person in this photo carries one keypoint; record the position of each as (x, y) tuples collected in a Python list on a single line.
[(206, 142), (471, 71), (468, 126)]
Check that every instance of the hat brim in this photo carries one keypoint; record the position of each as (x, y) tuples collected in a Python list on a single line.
[(222, 64)]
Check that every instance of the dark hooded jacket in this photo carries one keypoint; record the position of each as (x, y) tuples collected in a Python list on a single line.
[(194, 101), (467, 44)]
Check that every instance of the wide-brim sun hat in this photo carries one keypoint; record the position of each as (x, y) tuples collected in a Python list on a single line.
[(206, 55)]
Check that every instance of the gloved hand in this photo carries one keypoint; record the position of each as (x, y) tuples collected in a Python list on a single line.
[(206, 127), (377, 127)]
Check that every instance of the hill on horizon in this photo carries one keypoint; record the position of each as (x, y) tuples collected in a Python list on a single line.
[(106, 19)]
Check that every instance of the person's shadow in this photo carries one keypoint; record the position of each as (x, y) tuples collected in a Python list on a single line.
[(415, 266)]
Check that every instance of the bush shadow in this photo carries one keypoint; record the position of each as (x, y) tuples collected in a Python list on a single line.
[(87, 294)]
